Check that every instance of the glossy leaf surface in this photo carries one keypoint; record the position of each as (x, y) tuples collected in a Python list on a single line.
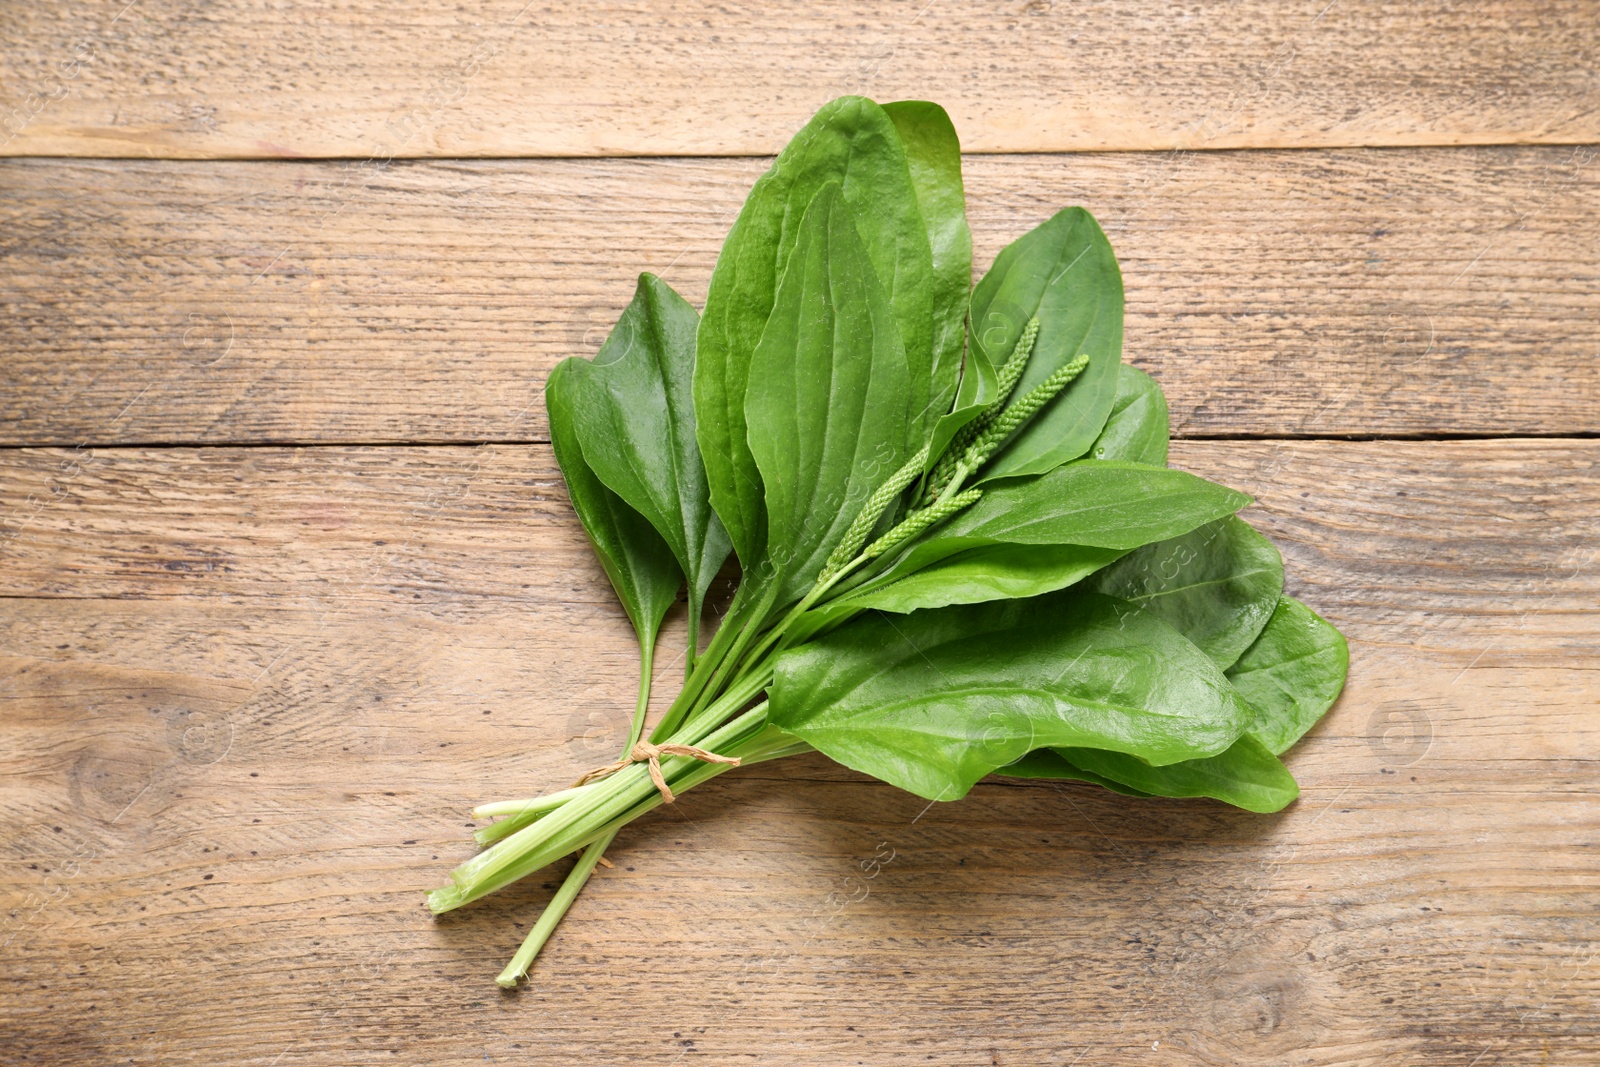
[(1036, 535), (934, 700), (1095, 502), (1217, 584), (989, 572), (1064, 273), (934, 154), (1137, 429), (635, 557), (1098, 504), (635, 422), (850, 142), (828, 397), (1246, 775), (1292, 674), (1046, 763)]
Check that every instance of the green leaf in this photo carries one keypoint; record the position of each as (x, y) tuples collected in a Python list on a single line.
[(1217, 585), (1137, 429), (933, 701), (1035, 535), (978, 388), (853, 143), (1107, 504), (1246, 775), (1292, 674), (934, 154), (1063, 273), (635, 422), (989, 572), (1046, 763), (828, 397), (635, 557), (1094, 503)]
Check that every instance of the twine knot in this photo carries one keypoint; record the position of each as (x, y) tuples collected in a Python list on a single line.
[(645, 752)]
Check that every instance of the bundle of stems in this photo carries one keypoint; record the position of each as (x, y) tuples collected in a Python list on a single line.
[(717, 711), (871, 435)]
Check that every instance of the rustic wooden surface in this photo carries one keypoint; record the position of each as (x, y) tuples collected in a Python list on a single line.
[(1347, 292), (379, 78), (273, 621), (251, 693)]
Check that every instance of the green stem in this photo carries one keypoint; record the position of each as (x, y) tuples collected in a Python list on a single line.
[(954, 485), (770, 743), (554, 912), (589, 817), (485, 865), (729, 668), (557, 909), (754, 657), (647, 655), (575, 822), (692, 653), (520, 813), (702, 678), (853, 576), (534, 805), (749, 686), (523, 813), (818, 590)]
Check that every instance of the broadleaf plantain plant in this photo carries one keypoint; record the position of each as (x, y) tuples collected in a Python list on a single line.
[(961, 551)]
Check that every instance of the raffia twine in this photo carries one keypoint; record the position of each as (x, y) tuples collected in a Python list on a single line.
[(645, 752)]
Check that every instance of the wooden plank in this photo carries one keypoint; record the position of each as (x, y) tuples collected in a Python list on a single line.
[(248, 694), (1286, 293), (382, 78)]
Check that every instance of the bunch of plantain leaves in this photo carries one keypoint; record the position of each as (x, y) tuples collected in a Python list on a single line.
[(961, 551)]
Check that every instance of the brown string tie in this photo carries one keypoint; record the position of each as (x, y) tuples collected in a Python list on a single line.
[(643, 752)]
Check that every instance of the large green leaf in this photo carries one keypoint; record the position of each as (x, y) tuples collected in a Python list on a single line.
[(1292, 674), (1246, 775), (1137, 429), (853, 143), (1217, 584), (1038, 534), (1064, 273), (933, 701), (934, 154), (1046, 763), (828, 398), (635, 422), (1108, 504), (1096, 503), (988, 572), (635, 557)]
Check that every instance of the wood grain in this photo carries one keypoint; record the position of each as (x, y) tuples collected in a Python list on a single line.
[(248, 694), (186, 78), (1287, 293)]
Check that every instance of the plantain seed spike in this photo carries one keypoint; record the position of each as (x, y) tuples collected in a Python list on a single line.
[(1019, 413), (918, 522), (872, 511), (1010, 374), (1012, 371)]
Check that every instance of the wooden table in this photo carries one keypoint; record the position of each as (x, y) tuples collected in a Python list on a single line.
[(291, 581)]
